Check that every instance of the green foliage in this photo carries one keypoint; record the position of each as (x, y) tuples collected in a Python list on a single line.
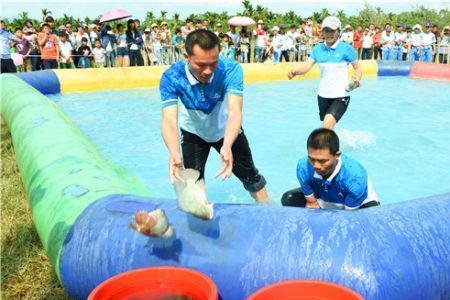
[(367, 15)]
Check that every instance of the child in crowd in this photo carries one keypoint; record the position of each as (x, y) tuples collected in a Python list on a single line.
[(49, 47), (244, 44), (268, 51), (224, 40), (23, 48), (367, 43), (85, 53), (231, 53), (99, 54), (302, 40), (123, 59), (65, 49), (178, 43)]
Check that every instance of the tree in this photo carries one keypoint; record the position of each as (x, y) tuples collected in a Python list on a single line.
[(248, 8), (45, 13)]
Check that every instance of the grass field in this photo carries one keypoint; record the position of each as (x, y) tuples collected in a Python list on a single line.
[(26, 272)]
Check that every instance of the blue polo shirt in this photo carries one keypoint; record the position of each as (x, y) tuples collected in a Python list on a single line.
[(348, 187), (333, 64), (203, 109), (5, 37)]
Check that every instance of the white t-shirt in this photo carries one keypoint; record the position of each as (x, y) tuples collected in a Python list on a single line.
[(233, 36), (347, 37), (66, 50), (428, 38), (367, 41), (416, 39), (99, 55), (389, 39), (261, 37), (291, 39), (279, 42)]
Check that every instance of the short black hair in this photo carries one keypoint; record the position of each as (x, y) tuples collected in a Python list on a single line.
[(178, 30), (206, 39), (49, 19), (84, 39), (188, 20), (323, 138), (17, 29)]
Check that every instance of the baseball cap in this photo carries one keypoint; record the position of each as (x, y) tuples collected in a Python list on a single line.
[(218, 25), (275, 28), (260, 22), (417, 26), (428, 24), (332, 23), (147, 30)]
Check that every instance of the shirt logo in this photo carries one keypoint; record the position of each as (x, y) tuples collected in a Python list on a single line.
[(216, 96)]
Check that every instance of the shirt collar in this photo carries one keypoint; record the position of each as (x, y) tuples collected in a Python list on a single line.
[(334, 46), (191, 78), (335, 172)]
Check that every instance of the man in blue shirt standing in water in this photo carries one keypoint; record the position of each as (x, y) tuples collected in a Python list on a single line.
[(333, 57), (328, 179), (208, 91)]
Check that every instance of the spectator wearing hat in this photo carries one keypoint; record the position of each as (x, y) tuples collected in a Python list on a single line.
[(93, 33), (166, 40), (444, 45), (347, 35), (48, 43), (333, 57), (148, 47), (134, 42), (277, 44), (261, 36), (416, 43), (429, 41), (156, 43), (399, 37), (367, 45), (6, 37), (218, 29), (388, 43), (123, 59)]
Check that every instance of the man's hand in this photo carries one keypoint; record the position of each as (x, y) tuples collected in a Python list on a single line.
[(227, 163), (175, 164), (292, 74), (314, 204), (356, 82)]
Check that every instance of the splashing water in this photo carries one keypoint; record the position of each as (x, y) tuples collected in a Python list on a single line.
[(356, 139)]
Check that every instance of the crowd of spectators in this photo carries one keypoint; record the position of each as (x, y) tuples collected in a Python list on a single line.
[(31, 48)]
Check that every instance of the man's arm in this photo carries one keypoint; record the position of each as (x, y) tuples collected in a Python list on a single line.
[(169, 129), (302, 70), (358, 73), (234, 124)]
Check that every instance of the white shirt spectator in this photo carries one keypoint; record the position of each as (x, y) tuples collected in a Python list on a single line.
[(261, 37), (233, 36), (416, 39), (400, 37), (347, 37), (428, 38), (279, 42), (99, 55), (367, 41), (291, 39), (65, 50), (390, 39)]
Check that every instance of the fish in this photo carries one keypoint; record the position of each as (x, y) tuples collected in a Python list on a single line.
[(191, 195), (152, 224)]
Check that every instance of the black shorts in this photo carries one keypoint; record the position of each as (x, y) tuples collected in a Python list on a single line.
[(334, 106), (8, 66), (196, 150)]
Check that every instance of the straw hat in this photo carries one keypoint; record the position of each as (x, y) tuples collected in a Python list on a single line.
[(260, 22), (164, 23), (154, 25)]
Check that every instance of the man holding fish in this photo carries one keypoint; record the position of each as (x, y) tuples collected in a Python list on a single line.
[(206, 90)]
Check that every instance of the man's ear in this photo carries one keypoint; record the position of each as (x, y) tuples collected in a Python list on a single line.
[(186, 56), (338, 154)]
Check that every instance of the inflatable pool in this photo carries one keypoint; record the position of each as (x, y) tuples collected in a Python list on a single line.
[(82, 205)]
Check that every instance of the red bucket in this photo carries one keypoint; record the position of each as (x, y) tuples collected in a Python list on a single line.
[(305, 290), (157, 283)]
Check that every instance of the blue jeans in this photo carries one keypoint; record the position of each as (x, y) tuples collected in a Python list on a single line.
[(276, 56), (84, 62), (258, 54), (366, 53), (136, 58), (166, 53), (426, 54), (110, 59), (414, 54), (243, 57), (35, 61)]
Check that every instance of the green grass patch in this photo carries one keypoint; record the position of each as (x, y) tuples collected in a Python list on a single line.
[(26, 272)]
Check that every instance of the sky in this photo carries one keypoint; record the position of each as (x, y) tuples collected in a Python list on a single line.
[(94, 8)]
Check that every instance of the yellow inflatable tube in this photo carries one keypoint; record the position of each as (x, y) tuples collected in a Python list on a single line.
[(88, 80)]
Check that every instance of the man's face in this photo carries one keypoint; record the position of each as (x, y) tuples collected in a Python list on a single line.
[(203, 62), (69, 27), (428, 29), (323, 161), (2, 25), (330, 35), (45, 29), (19, 34)]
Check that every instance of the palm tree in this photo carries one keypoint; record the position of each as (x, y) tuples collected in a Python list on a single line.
[(163, 15), (45, 13), (248, 8), (176, 17)]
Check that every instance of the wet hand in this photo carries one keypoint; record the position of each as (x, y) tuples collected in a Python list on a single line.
[(175, 165), (292, 74), (314, 204), (227, 163)]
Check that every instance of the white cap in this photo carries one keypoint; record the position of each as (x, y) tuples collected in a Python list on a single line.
[(275, 28), (331, 22), (417, 26)]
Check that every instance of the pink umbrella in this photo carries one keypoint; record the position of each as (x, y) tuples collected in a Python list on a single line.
[(241, 21), (115, 14)]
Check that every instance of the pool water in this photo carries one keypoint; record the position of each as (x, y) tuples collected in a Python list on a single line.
[(398, 128)]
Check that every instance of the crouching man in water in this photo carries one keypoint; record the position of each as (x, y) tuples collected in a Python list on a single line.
[(208, 91), (329, 179)]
